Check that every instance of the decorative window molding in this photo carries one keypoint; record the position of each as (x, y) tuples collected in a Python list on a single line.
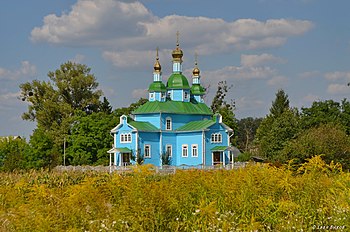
[(185, 150), (168, 123), (125, 138), (147, 151), (216, 138), (194, 150), (169, 150)]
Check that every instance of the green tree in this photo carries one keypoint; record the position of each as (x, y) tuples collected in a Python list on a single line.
[(280, 104), (52, 103), (90, 138), (246, 132), (221, 106), (12, 153), (277, 128), (328, 140)]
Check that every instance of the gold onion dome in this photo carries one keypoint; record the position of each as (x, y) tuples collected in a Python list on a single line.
[(196, 70), (157, 66), (177, 52)]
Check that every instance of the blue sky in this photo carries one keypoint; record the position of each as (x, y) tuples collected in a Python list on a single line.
[(258, 46)]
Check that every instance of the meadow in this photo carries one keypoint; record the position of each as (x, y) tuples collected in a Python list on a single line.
[(314, 196)]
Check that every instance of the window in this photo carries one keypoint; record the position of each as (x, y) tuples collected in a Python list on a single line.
[(216, 138), (168, 123), (169, 94), (125, 138), (194, 150), (163, 95), (184, 150), (151, 95), (169, 150), (147, 153), (185, 95)]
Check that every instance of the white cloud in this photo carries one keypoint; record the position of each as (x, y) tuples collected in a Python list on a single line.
[(9, 100), (26, 70), (78, 59), (278, 81), (338, 89), (334, 76), (123, 25), (139, 93), (249, 103), (310, 98), (240, 73), (257, 60)]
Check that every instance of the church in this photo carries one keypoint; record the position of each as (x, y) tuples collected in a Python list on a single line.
[(175, 123)]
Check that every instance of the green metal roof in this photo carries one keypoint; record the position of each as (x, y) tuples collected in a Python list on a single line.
[(219, 148), (175, 107), (177, 81), (157, 86), (197, 89), (143, 126), (123, 149), (196, 125)]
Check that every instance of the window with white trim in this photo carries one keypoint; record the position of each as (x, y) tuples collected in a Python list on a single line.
[(216, 138), (147, 151), (125, 138), (168, 123), (185, 95), (169, 150), (151, 95), (194, 150), (184, 150), (162, 95)]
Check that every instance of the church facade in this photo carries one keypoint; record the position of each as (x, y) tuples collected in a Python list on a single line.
[(175, 123)]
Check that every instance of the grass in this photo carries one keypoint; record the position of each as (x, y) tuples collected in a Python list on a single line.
[(258, 197)]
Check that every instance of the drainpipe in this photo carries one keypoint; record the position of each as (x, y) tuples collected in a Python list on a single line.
[(203, 148), (229, 139)]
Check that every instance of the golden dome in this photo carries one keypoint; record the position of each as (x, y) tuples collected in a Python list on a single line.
[(157, 66), (196, 70), (177, 52)]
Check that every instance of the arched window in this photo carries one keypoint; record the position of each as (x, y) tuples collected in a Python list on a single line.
[(168, 123)]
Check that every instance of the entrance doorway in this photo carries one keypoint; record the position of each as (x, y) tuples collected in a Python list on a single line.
[(217, 158), (126, 159)]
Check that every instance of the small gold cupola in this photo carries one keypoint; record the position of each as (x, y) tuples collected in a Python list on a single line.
[(196, 70), (157, 66), (177, 52)]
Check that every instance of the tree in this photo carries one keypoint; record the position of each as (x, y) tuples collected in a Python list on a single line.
[(12, 153), (220, 105), (277, 128), (328, 140), (280, 104), (275, 132), (246, 132), (90, 138)]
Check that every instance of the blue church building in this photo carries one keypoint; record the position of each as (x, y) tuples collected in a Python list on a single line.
[(174, 122)]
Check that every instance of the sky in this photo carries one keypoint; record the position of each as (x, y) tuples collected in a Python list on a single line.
[(257, 46)]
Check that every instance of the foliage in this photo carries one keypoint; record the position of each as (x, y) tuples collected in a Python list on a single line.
[(12, 153), (328, 139), (280, 104), (52, 104), (90, 139), (166, 158), (261, 198), (220, 105), (246, 131), (328, 111), (275, 132), (244, 157)]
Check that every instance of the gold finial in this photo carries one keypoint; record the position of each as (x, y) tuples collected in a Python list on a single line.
[(157, 66), (177, 52), (196, 70), (177, 38)]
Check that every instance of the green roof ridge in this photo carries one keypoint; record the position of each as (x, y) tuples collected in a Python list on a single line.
[(157, 86), (143, 126), (175, 107), (196, 125), (177, 81)]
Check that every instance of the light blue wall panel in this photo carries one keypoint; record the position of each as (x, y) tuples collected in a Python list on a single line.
[(153, 140), (189, 139)]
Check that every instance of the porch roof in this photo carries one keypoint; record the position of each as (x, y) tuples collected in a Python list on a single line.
[(219, 148), (119, 149)]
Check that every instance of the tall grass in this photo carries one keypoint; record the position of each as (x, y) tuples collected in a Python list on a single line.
[(258, 197)]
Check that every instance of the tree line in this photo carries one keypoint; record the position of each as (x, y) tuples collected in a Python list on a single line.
[(74, 119)]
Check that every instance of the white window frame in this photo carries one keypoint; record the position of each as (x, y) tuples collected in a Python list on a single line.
[(147, 147), (151, 95), (185, 95), (162, 95), (184, 150), (166, 123), (125, 138), (171, 149), (216, 138), (194, 149)]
